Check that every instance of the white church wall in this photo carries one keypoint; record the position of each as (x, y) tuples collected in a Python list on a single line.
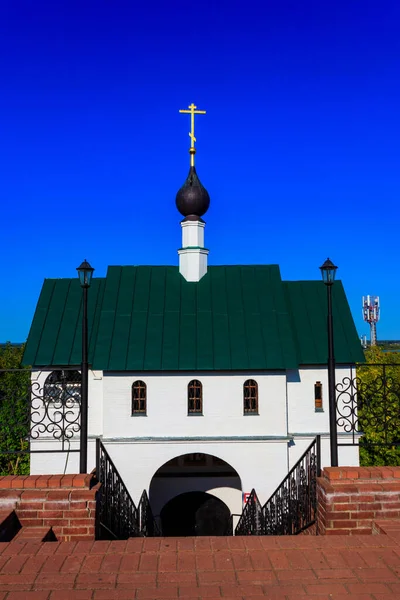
[(56, 463), (303, 418), (167, 406), (95, 403), (260, 465), (222, 418), (347, 455), (304, 422)]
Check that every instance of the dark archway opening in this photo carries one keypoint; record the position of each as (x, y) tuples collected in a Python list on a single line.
[(195, 513)]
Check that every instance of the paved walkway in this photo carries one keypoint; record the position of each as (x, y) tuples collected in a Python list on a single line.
[(279, 568)]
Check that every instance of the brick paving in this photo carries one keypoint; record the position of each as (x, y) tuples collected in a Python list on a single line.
[(359, 567)]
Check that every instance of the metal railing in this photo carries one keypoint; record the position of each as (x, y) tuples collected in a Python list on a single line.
[(147, 523), (40, 411), (251, 521), (292, 508), (368, 405), (117, 516)]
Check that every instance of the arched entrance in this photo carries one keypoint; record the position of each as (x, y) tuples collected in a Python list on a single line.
[(195, 494), (195, 513)]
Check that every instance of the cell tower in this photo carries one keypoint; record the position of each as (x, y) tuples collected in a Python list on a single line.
[(371, 314)]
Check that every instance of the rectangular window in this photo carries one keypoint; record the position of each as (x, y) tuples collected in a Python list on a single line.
[(318, 396)]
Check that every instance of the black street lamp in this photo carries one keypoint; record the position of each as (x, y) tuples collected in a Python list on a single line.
[(85, 272), (328, 270)]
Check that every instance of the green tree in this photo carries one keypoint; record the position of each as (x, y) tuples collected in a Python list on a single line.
[(14, 412), (379, 408)]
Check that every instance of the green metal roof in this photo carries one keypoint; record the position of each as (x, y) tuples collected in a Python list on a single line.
[(152, 319), (55, 337), (307, 305)]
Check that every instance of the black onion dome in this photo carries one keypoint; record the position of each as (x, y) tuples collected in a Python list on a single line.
[(192, 198)]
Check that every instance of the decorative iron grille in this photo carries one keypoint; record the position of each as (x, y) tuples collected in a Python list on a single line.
[(116, 514), (368, 405), (40, 411), (251, 521), (148, 525), (292, 508)]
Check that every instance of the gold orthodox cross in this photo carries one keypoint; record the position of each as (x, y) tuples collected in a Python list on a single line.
[(192, 111)]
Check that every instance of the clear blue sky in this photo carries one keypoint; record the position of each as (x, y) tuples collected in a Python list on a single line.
[(299, 149)]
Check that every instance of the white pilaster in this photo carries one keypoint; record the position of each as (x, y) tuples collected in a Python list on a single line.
[(192, 255)]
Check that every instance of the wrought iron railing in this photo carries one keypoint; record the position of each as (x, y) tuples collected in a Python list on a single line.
[(117, 516), (147, 522), (368, 405), (40, 411), (292, 508), (251, 521)]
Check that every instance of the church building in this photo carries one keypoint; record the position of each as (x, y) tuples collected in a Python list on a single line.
[(202, 379)]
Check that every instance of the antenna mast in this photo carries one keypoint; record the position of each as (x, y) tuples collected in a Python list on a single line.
[(371, 314)]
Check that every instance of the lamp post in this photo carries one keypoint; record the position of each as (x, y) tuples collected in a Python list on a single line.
[(328, 270), (85, 272)]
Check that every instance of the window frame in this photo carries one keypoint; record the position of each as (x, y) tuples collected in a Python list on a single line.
[(318, 397), (252, 398), (193, 385), (63, 387), (139, 385)]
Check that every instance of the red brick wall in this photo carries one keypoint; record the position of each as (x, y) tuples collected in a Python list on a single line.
[(350, 499), (64, 502)]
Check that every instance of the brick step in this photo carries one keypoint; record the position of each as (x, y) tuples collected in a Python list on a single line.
[(35, 534), (9, 525), (344, 567), (67, 503), (386, 526)]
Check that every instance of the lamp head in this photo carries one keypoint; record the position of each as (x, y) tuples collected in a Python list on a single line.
[(328, 271), (85, 272)]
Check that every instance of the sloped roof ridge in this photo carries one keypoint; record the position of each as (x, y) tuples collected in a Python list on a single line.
[(250, 266)]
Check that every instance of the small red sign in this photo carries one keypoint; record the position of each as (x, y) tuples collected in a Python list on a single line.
[(246, 496)]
